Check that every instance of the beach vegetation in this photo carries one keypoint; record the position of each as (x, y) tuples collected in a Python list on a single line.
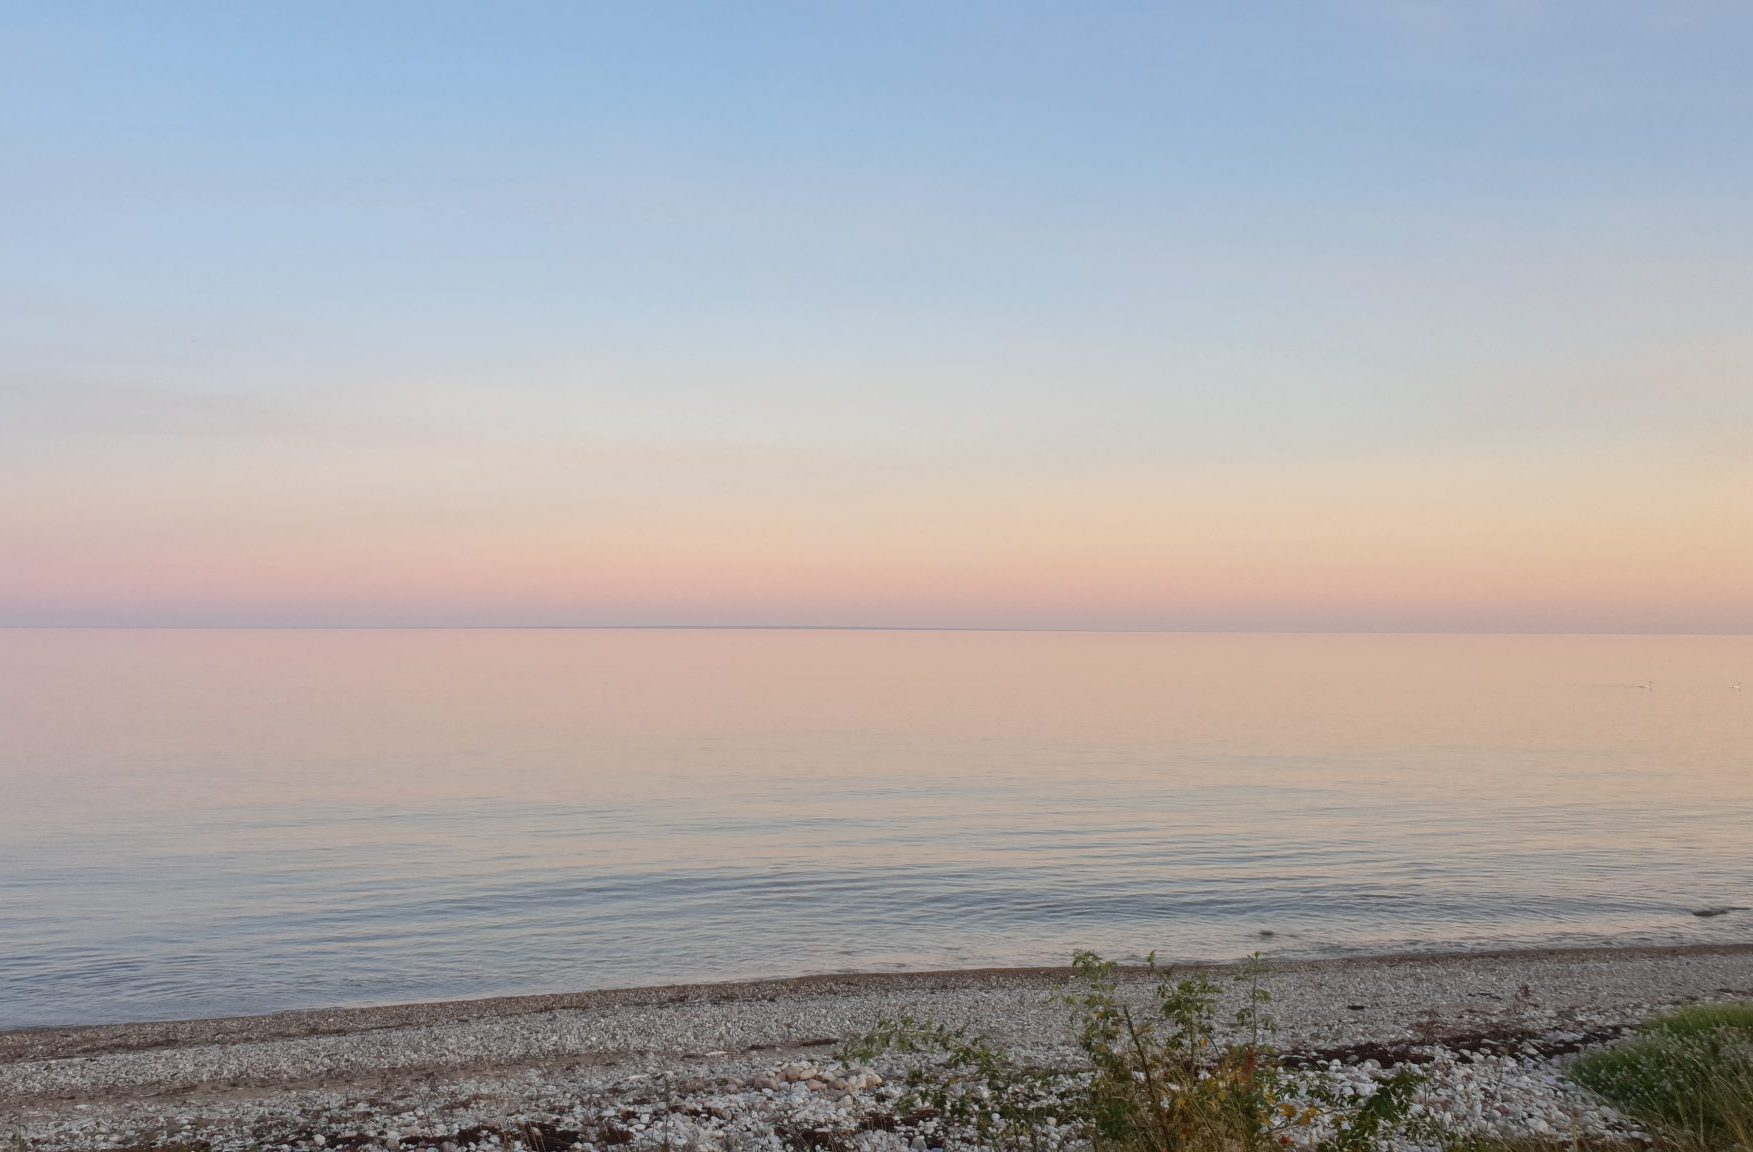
[(1155, 1077), (1687, 1076), (1477, 1142)]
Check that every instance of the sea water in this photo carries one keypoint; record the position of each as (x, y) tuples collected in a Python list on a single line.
[(197, 823)]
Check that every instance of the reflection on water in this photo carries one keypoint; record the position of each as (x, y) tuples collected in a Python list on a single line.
[(197, 823)]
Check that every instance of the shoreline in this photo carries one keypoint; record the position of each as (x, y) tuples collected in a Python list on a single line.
[(63, 1040), (342, 1019), (697, 1065), (51, 1041)]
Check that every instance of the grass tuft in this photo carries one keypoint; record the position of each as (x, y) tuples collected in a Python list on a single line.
[(1704, 1018), (1687, 1076)]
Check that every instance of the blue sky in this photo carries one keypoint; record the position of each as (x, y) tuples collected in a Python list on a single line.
[(986, 314)]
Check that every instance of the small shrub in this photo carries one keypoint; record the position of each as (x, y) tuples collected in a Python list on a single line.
[(1161, 1080)]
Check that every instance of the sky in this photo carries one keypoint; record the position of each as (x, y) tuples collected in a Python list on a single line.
[(1270, 316)]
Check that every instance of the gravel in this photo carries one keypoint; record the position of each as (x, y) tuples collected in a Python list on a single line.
[(750, 1065)]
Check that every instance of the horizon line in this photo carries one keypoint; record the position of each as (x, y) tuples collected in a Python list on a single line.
[(1118, 631)]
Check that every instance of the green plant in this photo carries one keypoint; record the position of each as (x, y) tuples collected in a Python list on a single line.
[(1160, 1079), (1698, 1019), (1687, 1076)]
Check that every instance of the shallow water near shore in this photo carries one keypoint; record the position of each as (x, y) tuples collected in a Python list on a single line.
[(202, 823)]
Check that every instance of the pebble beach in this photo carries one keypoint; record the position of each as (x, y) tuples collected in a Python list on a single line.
[(753, 1064)]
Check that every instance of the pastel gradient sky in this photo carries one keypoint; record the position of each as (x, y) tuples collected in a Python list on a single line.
[(1328, 316)]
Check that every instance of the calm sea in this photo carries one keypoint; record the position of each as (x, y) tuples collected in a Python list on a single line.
[(198, 823)]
